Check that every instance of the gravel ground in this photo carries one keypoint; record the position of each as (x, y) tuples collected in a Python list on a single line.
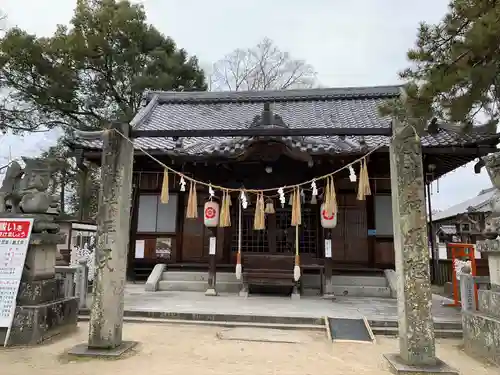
[(177, 349)]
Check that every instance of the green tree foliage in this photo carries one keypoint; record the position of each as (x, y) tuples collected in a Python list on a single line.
[(91, 73), (455, 71), (88, 75), (77, 190)]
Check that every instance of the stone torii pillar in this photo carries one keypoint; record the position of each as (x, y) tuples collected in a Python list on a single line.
[(112, 243), (417, 352)]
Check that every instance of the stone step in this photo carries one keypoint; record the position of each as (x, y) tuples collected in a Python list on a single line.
[(306, 327), (438, 325), (196, 276), (198, 286), (361, 291), (380, 281), (377, 330), (438, 333)]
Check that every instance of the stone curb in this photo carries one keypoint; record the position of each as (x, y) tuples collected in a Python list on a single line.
[(285, 320)]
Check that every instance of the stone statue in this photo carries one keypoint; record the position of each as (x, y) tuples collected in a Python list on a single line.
[(24, 193), (492, 222), (9, 199)]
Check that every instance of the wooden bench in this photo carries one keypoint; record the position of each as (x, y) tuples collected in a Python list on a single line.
[(268, 270)]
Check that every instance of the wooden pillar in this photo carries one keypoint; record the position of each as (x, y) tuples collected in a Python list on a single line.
[(212, 263), (328, 287), (416, 326), (370, 221)]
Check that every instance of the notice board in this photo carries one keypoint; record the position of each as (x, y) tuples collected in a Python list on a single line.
[(14, 239)]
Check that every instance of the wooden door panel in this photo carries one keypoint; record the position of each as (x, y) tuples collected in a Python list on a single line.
[(338, 237), (194, 239), (356, 235)]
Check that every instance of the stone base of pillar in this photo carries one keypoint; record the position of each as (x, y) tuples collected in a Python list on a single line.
[(83, 350), (244, 291), (329, 296), (211, 292), (295, 293), (399, 367)]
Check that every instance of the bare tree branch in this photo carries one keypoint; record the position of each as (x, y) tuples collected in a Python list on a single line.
[(263, 67)]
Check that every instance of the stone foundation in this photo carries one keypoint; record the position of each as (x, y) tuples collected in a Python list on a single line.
[(482, 329), (43, 310), (34, 324)]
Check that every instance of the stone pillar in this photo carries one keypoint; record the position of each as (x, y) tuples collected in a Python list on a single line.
[(113, 222), (416, 327)]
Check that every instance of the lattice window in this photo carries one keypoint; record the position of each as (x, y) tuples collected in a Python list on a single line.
[(308, 231), (278, 226), (254, 241)]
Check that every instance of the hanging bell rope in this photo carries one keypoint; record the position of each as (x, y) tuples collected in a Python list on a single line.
[(259, 222), (296, 208), (296, 267), (192, 205), (238, 270), (164, 188)]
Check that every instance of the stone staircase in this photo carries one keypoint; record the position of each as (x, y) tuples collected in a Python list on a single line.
[(343, 285), (197, 281)]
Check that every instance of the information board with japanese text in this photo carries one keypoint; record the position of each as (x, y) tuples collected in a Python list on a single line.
[(14, 240)]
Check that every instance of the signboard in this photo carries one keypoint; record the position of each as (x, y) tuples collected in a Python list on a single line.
[(212, 246), (14, 240), (467, 294), (328, 248), (163, 248)]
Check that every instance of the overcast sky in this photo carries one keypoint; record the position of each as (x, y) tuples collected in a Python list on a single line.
[(350, 43)]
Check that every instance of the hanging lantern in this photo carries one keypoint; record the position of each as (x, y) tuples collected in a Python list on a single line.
[(328, 219), (211, 214)]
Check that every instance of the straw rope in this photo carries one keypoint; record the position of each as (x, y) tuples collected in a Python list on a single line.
[(254, 191)]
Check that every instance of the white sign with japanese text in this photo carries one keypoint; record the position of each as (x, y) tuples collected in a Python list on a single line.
[(14, 240)]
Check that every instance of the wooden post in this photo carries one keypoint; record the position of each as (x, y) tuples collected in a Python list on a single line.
[(328, 287), (212, 263)]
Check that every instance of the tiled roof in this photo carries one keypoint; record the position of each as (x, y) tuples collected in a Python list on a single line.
[(448, 229), (310, 108), (479, 203)]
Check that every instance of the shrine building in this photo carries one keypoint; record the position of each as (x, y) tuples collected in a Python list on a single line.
[(361, 241)]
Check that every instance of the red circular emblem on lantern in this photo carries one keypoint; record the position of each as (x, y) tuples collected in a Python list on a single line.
[(326, 217), (210, 213)]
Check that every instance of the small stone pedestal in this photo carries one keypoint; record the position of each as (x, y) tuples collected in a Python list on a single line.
[(482, 328), (42, 309)]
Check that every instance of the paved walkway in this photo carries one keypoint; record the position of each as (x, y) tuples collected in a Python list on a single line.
[(136, 299)]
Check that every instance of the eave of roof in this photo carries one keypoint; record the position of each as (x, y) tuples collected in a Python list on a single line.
[(478, 203)]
